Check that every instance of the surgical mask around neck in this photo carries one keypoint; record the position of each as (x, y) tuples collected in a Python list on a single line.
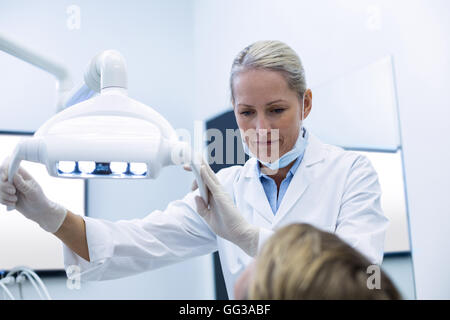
[(297, 150)]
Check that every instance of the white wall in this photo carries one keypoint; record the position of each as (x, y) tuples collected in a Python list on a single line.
[(334, 37), (155, 38)]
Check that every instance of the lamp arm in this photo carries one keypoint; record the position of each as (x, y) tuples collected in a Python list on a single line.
[(22, 52), (105, 70)]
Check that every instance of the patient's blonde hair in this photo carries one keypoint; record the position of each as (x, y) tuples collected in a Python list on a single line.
[(303, 262), (271, 55)]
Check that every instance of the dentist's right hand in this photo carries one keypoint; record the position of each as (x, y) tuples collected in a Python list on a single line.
[(27, 197)]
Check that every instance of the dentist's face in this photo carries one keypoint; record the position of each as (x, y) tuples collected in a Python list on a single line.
[(263, 102)]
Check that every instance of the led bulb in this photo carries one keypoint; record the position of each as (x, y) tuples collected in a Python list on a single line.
[(86, 166), (66, 166), (138, 168), (118, 167), (102, 168)]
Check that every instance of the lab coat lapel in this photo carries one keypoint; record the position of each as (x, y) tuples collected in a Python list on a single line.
[(314, 154), (255, 194)]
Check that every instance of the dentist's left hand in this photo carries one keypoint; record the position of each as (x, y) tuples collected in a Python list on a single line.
[(222, 215)]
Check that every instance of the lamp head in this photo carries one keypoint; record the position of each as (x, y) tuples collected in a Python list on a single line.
[(108, 136)]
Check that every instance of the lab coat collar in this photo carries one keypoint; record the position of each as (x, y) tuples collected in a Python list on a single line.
[(315, 153), (255, 194)]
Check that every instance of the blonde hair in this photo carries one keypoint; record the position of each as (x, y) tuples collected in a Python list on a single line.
[(271, 55), (303, 262)]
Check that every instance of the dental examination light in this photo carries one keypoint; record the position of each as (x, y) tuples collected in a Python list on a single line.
[(109, 135)]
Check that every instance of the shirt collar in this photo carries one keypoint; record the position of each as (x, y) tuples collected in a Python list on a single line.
[(291, 171)]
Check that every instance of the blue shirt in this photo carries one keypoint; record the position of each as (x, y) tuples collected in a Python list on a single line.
[(270, 187)]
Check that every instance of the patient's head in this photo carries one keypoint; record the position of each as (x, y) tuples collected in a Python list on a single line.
[(302, 262)]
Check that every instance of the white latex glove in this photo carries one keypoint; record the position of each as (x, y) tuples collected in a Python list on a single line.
[(223, 217), (27, 197)]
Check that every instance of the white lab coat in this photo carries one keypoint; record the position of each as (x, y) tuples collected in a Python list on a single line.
[(332, 189)]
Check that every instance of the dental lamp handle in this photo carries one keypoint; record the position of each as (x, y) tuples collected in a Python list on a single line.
[(14, 165), (27, 149), (182, 153), (195, 166)]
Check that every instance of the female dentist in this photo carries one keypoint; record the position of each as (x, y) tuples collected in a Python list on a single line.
[(303, 181)]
